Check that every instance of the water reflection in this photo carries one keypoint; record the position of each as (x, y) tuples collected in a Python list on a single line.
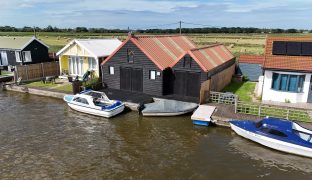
[(271, 158), (43, 138)]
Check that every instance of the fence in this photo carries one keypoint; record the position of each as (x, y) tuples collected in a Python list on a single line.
[(223, 98), (258, 109), (37, 71)]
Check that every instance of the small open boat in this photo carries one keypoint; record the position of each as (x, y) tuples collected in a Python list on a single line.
[(278, 134), (165, 107), (95, 103)]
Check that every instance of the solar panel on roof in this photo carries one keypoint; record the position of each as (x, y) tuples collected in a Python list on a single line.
[(306, 48), (279, 48), (294, 48)]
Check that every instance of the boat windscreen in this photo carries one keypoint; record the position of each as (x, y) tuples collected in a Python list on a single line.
[(94, 94), (273, 132), (258, 124), (304, 136)]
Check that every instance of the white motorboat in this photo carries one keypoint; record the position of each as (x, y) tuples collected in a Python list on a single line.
[(95, 103)]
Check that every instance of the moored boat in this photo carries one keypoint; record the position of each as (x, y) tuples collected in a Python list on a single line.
[(278, 134), (95, 103), (166, 107), (202, 115)]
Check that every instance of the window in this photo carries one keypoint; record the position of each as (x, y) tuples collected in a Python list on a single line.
[(130, 56), (287, 82), (111, 70), (273, 132), (3, 58), (153, 75), (92, 63), (27, 56), (18, 56), (187, 62), (259, 124), (81, 100)]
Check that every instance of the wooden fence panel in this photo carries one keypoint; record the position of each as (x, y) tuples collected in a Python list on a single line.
[(37, 71), (260, 110), (34, 71)]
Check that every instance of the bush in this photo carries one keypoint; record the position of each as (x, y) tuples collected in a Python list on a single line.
[(94, 84), (245, 78)]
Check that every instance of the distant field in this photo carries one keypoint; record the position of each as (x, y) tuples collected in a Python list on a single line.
[(237, 43)]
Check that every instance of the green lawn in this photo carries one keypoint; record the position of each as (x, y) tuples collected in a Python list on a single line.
[(40, 84), (6, 73), (66, 88), (243, 90), (51, 86)]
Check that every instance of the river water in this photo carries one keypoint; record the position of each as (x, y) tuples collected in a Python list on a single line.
[(42, 138)]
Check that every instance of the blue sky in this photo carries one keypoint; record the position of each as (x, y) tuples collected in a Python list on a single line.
[(149, 13)]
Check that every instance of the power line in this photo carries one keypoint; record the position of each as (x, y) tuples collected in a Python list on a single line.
[(197, 24), (159, 25), (178, 24)]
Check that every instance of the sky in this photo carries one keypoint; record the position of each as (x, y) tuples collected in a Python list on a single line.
[(143, 14)]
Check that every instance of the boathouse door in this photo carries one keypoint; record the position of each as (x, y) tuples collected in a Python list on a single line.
[(186, 83), (131, 79)]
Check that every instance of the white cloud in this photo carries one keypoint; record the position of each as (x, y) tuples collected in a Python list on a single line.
[(146, 13)]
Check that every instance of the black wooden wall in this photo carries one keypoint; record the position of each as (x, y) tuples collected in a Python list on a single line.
[(39, 52), (194, 68), (152, 87)]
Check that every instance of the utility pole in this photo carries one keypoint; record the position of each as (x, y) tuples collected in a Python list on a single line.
[(35, 31), (180, 22)]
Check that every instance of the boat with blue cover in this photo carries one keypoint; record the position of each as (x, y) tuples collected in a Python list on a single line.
[(278, 134), (95, 103)]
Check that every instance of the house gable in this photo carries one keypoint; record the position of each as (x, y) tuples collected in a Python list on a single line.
[(119, 60), (39, 52), (75, 50)]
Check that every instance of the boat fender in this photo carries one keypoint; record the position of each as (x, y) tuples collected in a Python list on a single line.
[(140, 107)]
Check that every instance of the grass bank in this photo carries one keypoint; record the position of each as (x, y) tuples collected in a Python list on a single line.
[(243, 90), (62, 87)]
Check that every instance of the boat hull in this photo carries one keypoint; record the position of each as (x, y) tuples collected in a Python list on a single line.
[(201, 123), (273, 143), (106, 114), (166, 113)]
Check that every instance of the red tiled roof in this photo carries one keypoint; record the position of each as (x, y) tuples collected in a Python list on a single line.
[(299, 63), (251, 59), (162, 50), (210, 57)]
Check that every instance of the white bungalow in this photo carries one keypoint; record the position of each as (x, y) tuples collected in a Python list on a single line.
[(287, 70)]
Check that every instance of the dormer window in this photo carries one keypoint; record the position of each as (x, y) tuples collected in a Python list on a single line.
[(130, 56)]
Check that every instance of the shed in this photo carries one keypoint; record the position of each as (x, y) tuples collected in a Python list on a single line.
[(166, 65), (201, 64), (250, 66), (22, 50)]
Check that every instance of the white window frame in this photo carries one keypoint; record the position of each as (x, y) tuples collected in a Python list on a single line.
[(152, 75), (18, 56), (4, 58), (27, 56), (92, 63), (111, 70)]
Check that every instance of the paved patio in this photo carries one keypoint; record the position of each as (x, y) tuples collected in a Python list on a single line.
[(136, 97), (306, 106)]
